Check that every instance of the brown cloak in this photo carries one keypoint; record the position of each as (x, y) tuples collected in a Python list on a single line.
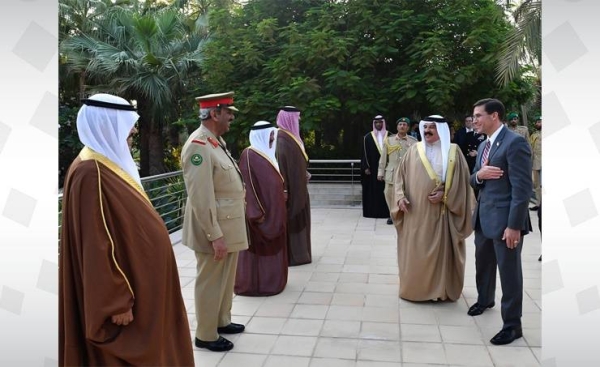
[(293, 164), (431, 246), (115, 253), (262, 270)]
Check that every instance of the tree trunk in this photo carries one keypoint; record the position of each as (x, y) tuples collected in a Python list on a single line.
[(352, 138), (156, 150), (143, 130), (151, 148), (174, 135), (82, 85), (318, 135)]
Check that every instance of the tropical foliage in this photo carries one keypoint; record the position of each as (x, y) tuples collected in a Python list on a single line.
[(341, 62), (521, 55), (523, 46)]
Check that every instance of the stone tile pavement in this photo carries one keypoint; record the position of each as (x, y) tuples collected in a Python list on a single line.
[(343, 310)]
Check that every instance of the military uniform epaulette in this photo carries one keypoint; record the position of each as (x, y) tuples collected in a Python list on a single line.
[(202, 139), (213, 142)]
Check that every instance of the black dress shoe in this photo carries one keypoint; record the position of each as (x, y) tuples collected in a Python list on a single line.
[(389, 221), (231, 329), (478, 309), (219, 345), (506, 336), (540, 258)]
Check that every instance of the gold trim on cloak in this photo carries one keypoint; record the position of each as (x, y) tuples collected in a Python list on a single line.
[(112, 243), (434, 177), (297, 142), (250, 175), (87, 153), (377, 141), (268, 160)]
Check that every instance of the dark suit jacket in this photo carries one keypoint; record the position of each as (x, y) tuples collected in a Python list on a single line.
[(467, 142), (504, 202)]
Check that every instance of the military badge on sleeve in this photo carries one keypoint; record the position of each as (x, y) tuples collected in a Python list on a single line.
[(196, 159)]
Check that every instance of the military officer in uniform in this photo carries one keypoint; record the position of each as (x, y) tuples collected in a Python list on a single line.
[(513, 124), (214, 224), (536, 161), (394, 147)]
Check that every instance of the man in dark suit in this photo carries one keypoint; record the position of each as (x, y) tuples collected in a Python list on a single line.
[(468, 140), (502, 174)]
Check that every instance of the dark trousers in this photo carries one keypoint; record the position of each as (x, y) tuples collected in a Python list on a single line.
[(490, 254)]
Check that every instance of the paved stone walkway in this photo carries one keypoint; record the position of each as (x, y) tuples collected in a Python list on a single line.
[(343, 309)]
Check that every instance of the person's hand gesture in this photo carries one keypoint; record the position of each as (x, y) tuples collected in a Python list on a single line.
[(122, 318), (435, 197), (220, 248), (489, 172), (404, 204)]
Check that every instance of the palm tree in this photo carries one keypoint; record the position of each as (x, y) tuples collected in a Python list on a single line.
[(146, 55), (522, 50), (524, 43)]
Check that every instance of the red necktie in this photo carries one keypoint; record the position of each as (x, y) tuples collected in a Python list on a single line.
[(486, 151)]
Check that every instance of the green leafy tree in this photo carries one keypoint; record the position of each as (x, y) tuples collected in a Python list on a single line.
[(344, 62), (142, 53)]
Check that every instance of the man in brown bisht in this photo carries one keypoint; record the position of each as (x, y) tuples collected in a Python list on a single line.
[(433, 215), (293, 165), (262, 270), (119, 294)]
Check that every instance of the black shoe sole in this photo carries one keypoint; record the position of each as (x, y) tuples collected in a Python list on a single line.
[(504, 342)]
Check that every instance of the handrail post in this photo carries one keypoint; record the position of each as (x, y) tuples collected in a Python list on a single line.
[(352, 181)]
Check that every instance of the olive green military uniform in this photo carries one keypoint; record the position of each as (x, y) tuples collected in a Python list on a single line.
[(392, 152), (536, 160), (521, 130), (214, 209)]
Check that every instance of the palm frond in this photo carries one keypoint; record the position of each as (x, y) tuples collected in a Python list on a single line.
[(523, 42)]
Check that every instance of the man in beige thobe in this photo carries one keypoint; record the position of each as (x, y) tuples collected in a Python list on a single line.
[(214, 223), (433, 215), (394, 147)]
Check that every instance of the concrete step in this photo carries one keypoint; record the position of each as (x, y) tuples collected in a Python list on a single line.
[(335, 194)]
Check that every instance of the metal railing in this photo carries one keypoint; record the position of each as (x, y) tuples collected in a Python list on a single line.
[(335, 171), (168, 195)]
